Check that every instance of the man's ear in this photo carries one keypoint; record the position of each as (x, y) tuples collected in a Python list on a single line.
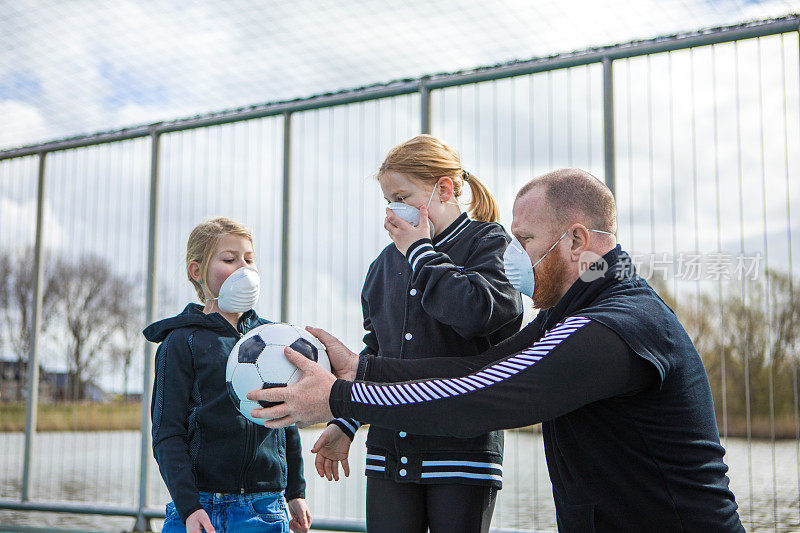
[(579, 239)]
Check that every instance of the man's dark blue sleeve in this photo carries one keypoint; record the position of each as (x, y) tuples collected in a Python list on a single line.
[(579, 361)]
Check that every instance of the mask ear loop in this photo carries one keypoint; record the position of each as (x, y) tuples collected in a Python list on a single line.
[(432, 193), (202, 283), (453, 199)]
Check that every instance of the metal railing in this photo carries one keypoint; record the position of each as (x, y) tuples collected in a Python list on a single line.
[(307, 179)]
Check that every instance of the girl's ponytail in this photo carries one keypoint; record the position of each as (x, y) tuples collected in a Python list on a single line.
[(483, 206)]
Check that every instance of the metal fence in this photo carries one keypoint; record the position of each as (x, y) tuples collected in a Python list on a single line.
[(697, 134)]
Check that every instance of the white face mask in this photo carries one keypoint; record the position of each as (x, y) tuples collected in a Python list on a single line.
[(240, 291), (519, 270), (411, 214), (518, 267)]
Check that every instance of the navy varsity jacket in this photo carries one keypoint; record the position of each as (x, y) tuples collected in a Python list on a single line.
[(448, 296)]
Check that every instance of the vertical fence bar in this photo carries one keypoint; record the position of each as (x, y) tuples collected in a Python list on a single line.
[(286, 214), (143, 523), (719, 244), (769, 312), (424, 106), (36, 318), (608, 123), (791, 269), (743, 294)]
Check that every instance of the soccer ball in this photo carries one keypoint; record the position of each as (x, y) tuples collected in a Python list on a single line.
[(257, 362)]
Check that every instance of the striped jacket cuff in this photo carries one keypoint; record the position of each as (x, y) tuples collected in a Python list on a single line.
[(348, 425), (418, 251)]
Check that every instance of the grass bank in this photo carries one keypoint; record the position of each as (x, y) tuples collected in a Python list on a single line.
[(118, 415), (77, 416)]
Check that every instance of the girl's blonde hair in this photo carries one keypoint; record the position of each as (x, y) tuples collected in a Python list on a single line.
[(201, 245), (427, 159)]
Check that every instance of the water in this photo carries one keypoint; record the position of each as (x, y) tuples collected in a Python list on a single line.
[(102, 468)]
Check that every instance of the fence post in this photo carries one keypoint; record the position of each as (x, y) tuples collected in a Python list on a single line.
[(33, 352), (425, 105), (608, 124), (286, 214), (142, 522)]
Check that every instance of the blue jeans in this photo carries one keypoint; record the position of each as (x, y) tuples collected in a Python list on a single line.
[(260, 511)]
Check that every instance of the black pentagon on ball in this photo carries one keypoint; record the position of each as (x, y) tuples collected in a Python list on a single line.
[(232, 394), (271, 386), (306, 348), (251, 349)]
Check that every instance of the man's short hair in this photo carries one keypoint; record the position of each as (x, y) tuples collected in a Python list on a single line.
[(574, 195)]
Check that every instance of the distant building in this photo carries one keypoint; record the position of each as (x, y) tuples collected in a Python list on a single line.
[(53, 386)]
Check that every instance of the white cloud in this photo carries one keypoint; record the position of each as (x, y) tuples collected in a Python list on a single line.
[(22, 123), (18, 220)]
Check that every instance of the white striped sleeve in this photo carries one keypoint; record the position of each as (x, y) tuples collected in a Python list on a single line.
[(430, 390), (419, 250), (348, 425)]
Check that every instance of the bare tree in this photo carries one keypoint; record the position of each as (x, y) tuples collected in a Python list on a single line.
[(127, 340), (16, 300), (87, 296)]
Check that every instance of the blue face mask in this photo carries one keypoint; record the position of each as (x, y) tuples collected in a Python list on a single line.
[(518, 267), (410, 213)]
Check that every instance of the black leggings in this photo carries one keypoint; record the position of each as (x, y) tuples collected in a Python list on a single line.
[(413, 507)]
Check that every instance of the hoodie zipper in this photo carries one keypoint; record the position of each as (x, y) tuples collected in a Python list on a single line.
[(250, 453), (250, 435)]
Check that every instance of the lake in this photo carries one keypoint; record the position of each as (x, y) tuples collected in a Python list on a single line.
[(102, 468)]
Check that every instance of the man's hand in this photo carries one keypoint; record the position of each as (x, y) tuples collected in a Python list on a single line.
[(332, 447), (344, 362), (199, 521), (301, 516), (404, 234), (304, 403)]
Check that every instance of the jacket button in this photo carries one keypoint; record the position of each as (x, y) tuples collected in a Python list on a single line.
[(409, 336), (413, 292), (403, 472), (402, 434), (404, 460)]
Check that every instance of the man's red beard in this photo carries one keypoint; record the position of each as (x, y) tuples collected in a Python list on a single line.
[(550, 276)]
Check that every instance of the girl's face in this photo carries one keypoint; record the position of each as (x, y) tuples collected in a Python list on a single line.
[(399, 187), (232, 253)]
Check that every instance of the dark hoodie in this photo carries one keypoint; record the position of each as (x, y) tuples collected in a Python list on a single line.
[(200, 441)]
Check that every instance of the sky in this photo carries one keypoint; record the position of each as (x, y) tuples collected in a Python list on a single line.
[(84, 66), (696, 132)]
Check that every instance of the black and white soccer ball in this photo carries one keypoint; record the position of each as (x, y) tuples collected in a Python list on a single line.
[(257, 362)]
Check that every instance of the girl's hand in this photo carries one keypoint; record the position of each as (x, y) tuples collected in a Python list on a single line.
[(404, 234), (199, 521), (301, 516), (332, 447)]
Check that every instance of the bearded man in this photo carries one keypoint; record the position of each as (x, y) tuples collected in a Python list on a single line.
[(623, 398)]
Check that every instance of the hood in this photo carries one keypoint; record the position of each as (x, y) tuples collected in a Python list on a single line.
[(192, 315)]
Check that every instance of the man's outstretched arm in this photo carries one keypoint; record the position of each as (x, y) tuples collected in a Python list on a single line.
[(578, 362)]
